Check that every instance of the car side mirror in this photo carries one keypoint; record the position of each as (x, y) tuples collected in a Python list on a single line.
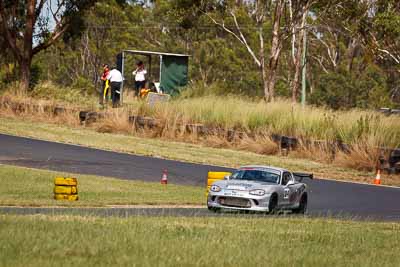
[(291, 182), (227, 177)]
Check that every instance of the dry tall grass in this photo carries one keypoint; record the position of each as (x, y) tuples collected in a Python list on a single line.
[(362, 155), (116, 121), (364, 131), (282, 117), (38, 110), (319, 150), (260, 144)]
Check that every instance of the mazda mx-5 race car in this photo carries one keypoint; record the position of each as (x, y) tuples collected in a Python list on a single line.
[(260, 188)]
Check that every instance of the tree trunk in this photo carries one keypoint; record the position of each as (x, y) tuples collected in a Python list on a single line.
[(276, 47), (271, 86), (264, 77), (297, 60), (25, 69), (297, 69), (26, 59), (300, 23), (265, 80), (351, 53)]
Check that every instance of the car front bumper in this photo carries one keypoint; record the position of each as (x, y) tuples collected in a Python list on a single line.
[(234, 200)]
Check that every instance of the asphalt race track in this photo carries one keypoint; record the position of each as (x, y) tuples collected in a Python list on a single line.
[(327, 198)]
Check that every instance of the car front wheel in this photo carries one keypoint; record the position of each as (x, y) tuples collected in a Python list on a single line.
[(213, 209), (273, 203)]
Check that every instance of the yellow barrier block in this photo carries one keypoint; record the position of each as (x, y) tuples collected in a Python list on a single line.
[(217, 175), (65, 181), (66, 197), (211, 181), (62, 189)]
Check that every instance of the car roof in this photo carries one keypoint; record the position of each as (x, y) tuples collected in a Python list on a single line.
[(263, 167)]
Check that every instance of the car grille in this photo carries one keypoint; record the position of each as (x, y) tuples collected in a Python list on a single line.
[(234, 202)]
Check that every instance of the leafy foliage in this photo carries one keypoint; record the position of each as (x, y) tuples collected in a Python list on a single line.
[(353, 53), (345, 90)]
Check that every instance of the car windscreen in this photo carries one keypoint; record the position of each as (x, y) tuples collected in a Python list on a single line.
[(256, 175)]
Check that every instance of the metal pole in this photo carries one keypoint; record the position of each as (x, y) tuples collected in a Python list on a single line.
[(122, 84), (150, 78), (303, 82), (160, 73)]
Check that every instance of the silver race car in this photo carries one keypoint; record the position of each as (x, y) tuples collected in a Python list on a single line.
[(260, 188)]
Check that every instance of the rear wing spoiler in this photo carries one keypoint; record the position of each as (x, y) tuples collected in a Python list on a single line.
[(299, 176)]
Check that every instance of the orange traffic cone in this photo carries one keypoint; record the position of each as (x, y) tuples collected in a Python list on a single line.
[(164, 178), (378, 177)]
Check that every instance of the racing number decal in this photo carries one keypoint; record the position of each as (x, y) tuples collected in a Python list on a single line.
[(286, 193)]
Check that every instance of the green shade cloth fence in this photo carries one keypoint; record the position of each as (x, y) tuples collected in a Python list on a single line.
[(174, 73)]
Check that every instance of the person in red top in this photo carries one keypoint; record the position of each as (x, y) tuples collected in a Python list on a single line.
[(106, 70), (105, 86)]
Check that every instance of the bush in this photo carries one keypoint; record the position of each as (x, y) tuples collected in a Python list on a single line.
[(84, 85), (36, 73), (75, 95), (344, 90), (8, 74)]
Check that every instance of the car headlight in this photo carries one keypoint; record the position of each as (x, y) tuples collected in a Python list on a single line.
[(215, 188), (257, 192)]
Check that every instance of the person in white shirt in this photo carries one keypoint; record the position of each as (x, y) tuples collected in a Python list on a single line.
[(115, 78), (140, 77)]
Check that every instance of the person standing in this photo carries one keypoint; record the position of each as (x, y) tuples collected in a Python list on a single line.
[(140, 77), (115, 78), (105, 84)]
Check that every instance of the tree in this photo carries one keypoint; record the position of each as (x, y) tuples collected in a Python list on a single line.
[(276, 49), (259, 11), (344, 90), (250, 48), (381, 29), (298, 11), (28, 30)]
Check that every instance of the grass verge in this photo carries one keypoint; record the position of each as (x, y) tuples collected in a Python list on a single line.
[(179, 151), (163, 241), (30, 187)]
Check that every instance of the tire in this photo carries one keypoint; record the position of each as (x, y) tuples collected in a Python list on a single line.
[(66, 181), (302, 209), (272, 205), (213, 209)]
